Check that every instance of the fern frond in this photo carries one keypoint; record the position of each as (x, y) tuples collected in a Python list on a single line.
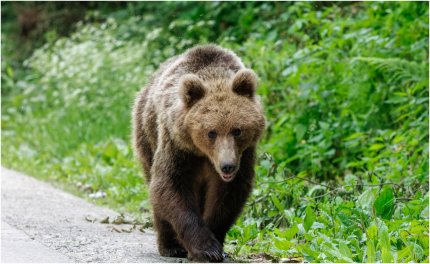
[(398, 69)]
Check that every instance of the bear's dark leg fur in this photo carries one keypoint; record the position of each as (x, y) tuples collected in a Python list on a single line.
[(174, 202), (168, 245), (224, 201)]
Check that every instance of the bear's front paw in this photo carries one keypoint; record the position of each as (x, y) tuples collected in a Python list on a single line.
[(208, 250), (173, 252)]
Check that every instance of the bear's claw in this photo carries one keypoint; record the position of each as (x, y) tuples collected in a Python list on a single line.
[(175, 252), (210, 252)]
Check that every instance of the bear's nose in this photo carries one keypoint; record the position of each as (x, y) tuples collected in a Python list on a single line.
[(228, 168)]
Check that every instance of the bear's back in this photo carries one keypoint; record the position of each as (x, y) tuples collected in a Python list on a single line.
[(196, 60), (200, 57)]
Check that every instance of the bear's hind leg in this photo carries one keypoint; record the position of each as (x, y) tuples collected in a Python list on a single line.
[(168, 245)]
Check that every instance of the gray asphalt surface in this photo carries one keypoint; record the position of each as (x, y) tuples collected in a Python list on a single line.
[(43, 224)]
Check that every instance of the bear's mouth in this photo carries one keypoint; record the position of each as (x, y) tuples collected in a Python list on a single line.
[(227, 177)]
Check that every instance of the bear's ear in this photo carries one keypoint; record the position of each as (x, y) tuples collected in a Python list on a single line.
[(191, 89), (245, 83)]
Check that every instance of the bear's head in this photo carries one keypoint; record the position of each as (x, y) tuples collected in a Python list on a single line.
[(223, 117)]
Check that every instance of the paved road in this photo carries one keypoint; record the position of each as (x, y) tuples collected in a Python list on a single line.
[(43, 224)]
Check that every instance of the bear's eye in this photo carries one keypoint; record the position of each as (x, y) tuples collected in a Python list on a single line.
[(236, 132), (212, 134)]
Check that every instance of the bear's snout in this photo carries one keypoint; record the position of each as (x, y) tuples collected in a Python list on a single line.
[(227, 171), (228, 168), (226, 158)]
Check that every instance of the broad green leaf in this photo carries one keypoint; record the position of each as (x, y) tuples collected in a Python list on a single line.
[(376, 146), (277, 203), (354, 136), (291, 232), (9, 71), (335, 253), (425, 213), (366, 200), (309, 218), (300, 131), (288, 233), (384, 237), (385, 244), (283, 244), (344, 250), (372, 232), (371, 252), (384, 203), (309, 251), (386, 255), (354, 244), (406, 254), (418, 251), (111, 150)]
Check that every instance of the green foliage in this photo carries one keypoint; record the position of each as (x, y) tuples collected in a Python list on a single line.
[(343, 171), (384, 204), (353, 221)]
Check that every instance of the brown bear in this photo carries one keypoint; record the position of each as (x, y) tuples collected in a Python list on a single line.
[(195, 129)]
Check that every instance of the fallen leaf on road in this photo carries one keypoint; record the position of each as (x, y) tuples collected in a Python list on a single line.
[(291, 260), (115, 229), (263, 257), (127, 230), (90, 219), (123, 220), (105, 220), (119, 220)]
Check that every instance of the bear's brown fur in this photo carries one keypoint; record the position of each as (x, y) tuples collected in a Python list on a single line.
[(195, 130)]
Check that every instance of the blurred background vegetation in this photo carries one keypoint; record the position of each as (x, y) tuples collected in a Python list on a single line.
[(343, 167)]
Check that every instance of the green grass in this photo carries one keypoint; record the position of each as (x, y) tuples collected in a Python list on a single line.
[(343, 167)]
